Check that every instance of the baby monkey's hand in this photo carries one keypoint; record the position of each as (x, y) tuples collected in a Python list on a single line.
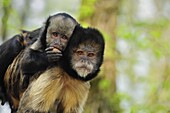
[(53, 54)]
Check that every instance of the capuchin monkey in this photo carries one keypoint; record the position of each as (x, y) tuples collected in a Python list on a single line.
[(65, 87), (9, 50), (42, 54)]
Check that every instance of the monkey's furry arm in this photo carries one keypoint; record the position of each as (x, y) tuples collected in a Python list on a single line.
[(9, 50)]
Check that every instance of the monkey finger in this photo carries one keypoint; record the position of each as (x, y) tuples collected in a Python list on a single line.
[(49, 48), (53, 59), (56, 58), (53, 52), (49, 51), (54, 55)]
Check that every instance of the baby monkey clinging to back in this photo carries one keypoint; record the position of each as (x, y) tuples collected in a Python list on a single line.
[(64, 88)]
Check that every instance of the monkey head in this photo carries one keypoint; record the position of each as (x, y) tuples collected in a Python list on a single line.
[(84, 53), (56, 32), (59, 31)]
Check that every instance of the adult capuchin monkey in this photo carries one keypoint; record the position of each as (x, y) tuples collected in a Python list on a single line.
[(44, 53), (64, 88), (9, 50)]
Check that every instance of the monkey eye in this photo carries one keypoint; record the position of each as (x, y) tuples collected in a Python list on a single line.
[(64, 37), (55, 34), (90, 54), (79, 52)]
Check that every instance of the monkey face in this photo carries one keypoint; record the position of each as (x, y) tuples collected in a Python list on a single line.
[(57, 41), (84, 54), (59, 31), (84, 59)]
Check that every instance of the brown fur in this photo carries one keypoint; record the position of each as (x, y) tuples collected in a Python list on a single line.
[(12, 83), (55, 86)]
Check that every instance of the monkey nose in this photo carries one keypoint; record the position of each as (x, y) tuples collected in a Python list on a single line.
[(84, 59)]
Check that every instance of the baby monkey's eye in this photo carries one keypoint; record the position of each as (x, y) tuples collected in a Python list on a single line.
[(64, 37), (55, 34)]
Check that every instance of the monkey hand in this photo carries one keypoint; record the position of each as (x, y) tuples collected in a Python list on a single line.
[(53, 54)]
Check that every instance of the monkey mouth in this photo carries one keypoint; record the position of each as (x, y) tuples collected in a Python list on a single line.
[(83, 68), (83, 71)]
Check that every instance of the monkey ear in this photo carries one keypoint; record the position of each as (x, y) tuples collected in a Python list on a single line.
[(24, 33), (40, 44)]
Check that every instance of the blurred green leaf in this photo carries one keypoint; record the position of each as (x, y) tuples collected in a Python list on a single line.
[(104, 84)]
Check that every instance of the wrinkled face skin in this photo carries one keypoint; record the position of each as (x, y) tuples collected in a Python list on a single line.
[(59, 32), (85, 58)]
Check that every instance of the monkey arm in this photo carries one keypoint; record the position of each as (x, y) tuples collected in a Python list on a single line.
[(21, 72), (32, 62), (8, 51), (12, 47)]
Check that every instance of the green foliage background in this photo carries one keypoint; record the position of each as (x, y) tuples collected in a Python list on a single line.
[(137, 49)]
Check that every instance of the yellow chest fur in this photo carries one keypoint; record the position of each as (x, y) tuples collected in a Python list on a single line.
[(54, 85)]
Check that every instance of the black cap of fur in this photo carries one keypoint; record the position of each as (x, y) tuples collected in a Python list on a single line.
[(79, 36)]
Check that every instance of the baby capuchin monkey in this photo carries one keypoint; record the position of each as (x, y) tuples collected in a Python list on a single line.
[(65, 87)]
